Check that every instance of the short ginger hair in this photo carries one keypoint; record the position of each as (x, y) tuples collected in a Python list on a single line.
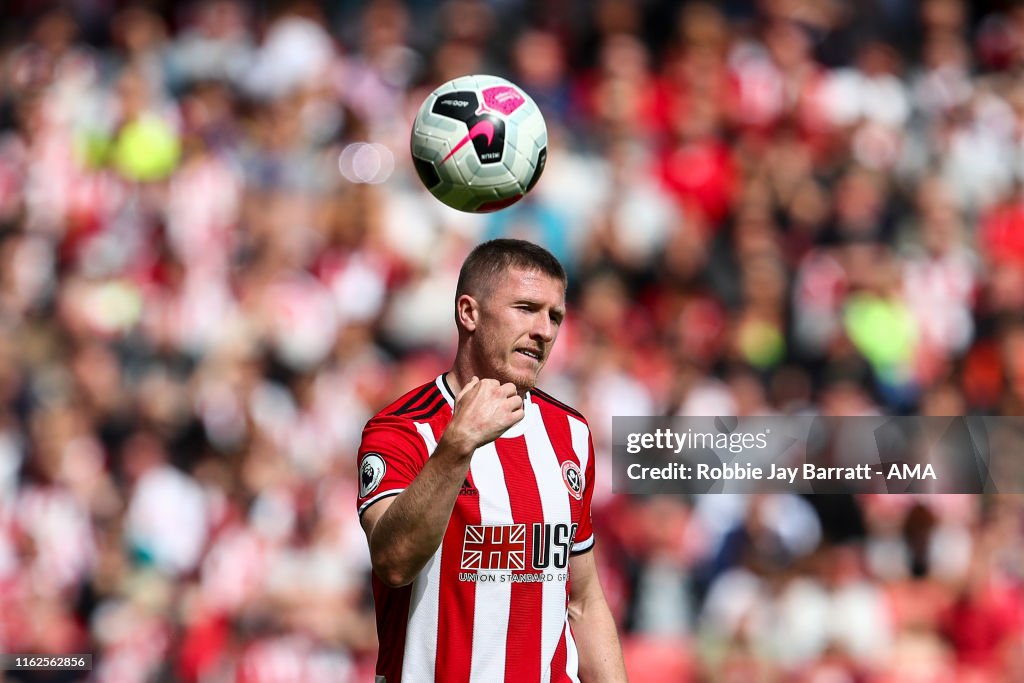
[(491, 259)]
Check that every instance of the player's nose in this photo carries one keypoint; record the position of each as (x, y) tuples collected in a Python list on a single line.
[(543, 328)]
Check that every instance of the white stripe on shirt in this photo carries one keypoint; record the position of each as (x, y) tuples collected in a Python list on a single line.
[(493, 600), (581, 445), (572, 657)]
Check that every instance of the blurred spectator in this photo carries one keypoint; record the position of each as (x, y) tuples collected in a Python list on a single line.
[(765, 208)]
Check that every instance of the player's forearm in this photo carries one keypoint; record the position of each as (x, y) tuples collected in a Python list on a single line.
[(412, 528), (600, 654)]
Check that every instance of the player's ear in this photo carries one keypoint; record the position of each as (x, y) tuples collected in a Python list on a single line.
[(467, 312)]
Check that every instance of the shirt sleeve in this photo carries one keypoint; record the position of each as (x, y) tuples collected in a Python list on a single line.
[(391, 454), (585, 534)]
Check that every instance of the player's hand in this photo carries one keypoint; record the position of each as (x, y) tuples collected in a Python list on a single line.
[(484, 409)]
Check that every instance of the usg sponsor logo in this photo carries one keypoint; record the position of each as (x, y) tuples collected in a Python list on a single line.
[(503, 547), (551, 545), (494, 548)]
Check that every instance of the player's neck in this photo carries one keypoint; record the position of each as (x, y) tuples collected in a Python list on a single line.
[(461, 372)]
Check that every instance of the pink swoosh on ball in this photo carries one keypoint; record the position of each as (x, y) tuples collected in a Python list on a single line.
[(485, 128)]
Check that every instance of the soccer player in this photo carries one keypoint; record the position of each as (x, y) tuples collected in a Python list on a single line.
[(475, 493)]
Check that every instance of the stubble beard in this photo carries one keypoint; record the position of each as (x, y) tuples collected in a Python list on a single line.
[(523, 386), (501, 367), (524, 380)]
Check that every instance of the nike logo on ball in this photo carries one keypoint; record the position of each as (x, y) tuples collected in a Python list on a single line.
[(485, 128)]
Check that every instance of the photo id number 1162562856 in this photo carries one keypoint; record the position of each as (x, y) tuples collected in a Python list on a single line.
[(45, 662)]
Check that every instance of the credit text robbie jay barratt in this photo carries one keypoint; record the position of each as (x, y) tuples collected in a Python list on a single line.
[(807, 472)]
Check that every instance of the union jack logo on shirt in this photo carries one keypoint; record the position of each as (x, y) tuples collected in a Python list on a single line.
[(494, 548)]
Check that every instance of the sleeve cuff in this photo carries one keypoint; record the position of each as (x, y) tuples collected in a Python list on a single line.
[(379, 496), (582, 546)]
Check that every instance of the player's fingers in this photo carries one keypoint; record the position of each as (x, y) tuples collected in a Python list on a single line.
[(515, 403), (509, 389), (469, 385)]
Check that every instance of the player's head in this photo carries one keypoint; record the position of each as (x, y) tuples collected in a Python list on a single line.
[(490, 260), (509, 305)]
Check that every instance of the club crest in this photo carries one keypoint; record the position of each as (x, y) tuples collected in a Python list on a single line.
[(573, 478)]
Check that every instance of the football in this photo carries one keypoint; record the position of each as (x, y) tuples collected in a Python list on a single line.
[(479, 143)]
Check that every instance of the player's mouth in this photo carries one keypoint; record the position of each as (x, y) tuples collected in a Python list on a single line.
[(533, 354)]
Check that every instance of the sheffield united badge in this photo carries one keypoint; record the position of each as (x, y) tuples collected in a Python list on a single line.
[(573, 478)]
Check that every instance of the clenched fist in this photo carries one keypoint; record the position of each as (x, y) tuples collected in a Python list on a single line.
[(484, 409)]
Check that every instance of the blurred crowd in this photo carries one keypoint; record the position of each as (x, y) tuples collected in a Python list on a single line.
[(216, 263)]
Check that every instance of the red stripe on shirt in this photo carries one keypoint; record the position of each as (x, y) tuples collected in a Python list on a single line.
[(391, 627), (456, 598), (558, 674), (556, 424)]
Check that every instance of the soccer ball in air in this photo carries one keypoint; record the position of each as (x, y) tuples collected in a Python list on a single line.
[(479, 143)]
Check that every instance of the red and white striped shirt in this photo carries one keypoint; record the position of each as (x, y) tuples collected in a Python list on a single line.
[(491, 604)]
